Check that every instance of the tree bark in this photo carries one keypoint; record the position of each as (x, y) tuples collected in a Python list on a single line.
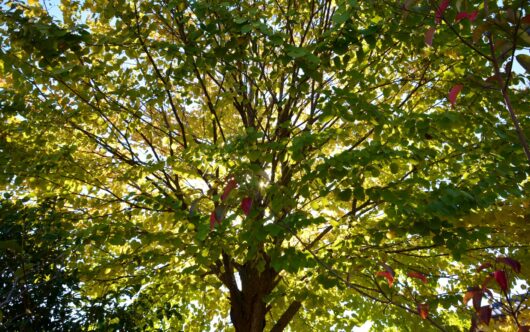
[(247, 305)]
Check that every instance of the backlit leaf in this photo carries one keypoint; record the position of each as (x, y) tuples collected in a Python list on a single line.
[(484, 314), (429, 34), (500, 277), (246, 205), (418, 275), (389, 277), (515, 265), (453, 93), (423, 310), (440, 10), (228, 188)]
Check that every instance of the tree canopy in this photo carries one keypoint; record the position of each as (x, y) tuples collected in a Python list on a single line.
[(264, 164)]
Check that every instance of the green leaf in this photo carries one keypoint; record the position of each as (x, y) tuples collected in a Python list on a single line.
[(12, 245), (340, 16), (524, 61), (295, 52)]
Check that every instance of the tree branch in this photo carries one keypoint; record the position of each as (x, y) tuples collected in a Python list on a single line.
[(287, 316)]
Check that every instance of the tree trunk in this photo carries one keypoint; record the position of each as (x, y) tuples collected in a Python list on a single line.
[(248, 315), (248, 307)]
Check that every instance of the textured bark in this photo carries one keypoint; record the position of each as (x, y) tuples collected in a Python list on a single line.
[(248, 307)]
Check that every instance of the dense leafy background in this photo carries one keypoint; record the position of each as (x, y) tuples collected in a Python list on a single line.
[(132, 132)]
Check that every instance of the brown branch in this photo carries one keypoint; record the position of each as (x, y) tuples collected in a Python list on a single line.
[(319, 237), (287, 316), (161, 77), (507, 101)]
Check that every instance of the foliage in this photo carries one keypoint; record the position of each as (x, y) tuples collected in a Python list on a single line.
[(258, 164), (37, 291), (507, 304)]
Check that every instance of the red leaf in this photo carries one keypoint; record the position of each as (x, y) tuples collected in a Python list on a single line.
[(429, 34), (389, 277), (487, 281), (423, 310), (470, 16), (220, 212), (492, 79), (483, 266), (455, 90), (246, 205), (217, 216), (474, 293), (418, 275), (515, 265), (460, 16), (525, 328), (484, 314), (440, 11), (477, 299), (228, 188), (389, 269), (500, 277), (470, 293), (526, 19)]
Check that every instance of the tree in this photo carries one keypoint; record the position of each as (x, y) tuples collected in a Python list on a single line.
[(265, 164), (37, 291)]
